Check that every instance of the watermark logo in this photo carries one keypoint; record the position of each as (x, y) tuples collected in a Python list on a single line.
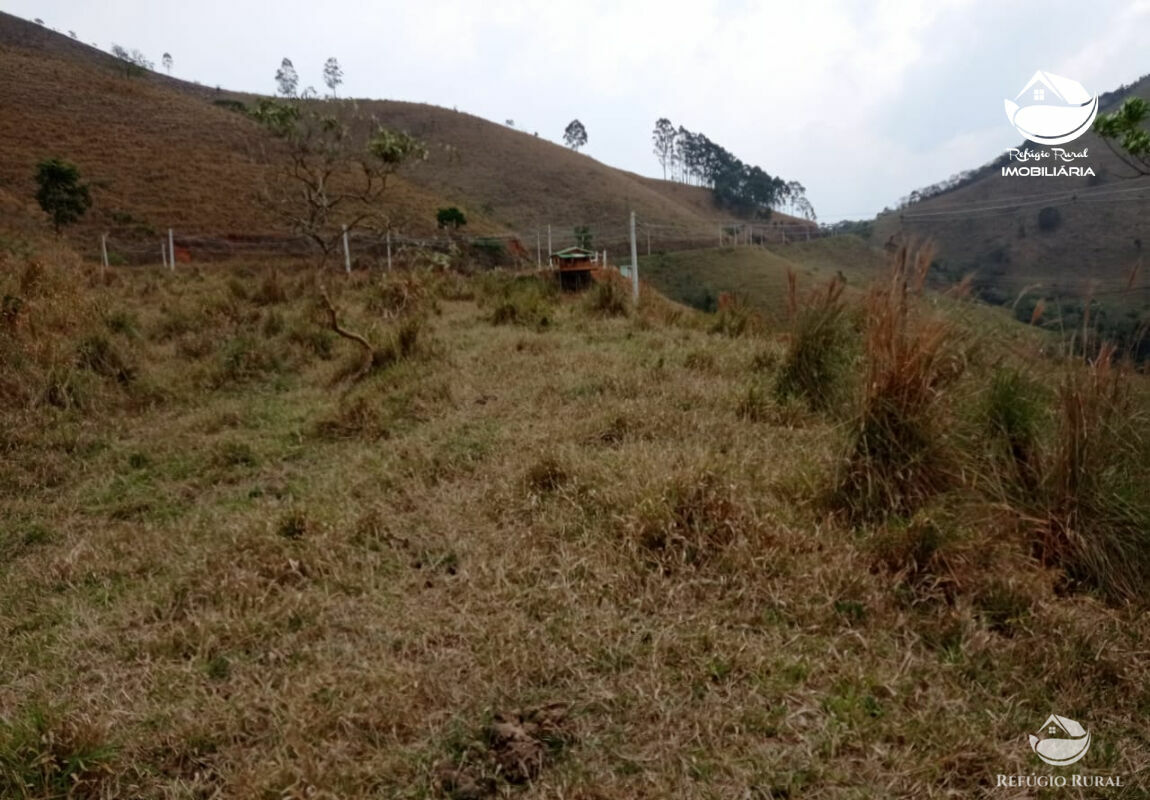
[(1051, 109), (1060, 741)]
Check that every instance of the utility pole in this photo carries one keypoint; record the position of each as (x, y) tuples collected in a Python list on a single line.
[(346, 253), (389, 248), (538, 250), (634, 263), (550, 252), (171, 249), (164, 253), (103, 252)]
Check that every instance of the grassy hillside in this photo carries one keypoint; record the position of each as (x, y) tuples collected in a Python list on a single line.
[(543, 541), (759, 275), (162, 154)]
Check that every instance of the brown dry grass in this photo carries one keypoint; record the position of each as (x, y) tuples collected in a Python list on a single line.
[(897, 460), (162, 155), (550, 562)]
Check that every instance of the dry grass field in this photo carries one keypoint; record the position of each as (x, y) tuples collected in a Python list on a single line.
[(537, 546)]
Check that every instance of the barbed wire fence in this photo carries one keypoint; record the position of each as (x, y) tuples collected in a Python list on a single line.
[(174, 246), (611, 239)]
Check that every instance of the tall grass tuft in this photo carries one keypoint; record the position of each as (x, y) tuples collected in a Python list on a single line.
[(817, 354), (896, 459), (1096, 523), (1013, 416)]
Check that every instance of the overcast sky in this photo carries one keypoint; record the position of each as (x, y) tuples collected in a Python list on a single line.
[(861, 102)]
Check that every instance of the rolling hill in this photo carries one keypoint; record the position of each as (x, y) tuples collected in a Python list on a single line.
[(1064, 235), (163, 152), (759, 275)]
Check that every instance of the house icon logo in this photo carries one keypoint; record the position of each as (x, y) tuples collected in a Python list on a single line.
[(1051, 109), (1060, 741)]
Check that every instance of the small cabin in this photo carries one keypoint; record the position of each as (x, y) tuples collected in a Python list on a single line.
[(574, 266)]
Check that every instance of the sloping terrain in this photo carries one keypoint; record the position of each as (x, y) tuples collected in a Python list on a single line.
[(544, 547), (1093, 231), (161, 153), (759, 275)]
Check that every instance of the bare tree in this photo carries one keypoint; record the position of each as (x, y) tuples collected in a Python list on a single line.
[(331, 179)]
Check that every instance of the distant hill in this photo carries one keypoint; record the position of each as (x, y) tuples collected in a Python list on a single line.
[(164, 152), (759, 275), (1058, 236)]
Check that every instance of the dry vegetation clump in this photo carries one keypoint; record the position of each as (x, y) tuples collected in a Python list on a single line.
[(546, 475), (897, 457), (656, 308), (44, 755), (818, 351), (1014, 416), (53, 343), (1094, 520), (513, 748), (686, 522), (400, 342), (380, 407), (527, 300), (403, 293), (272, 290), (736, 317), (609, 297)]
